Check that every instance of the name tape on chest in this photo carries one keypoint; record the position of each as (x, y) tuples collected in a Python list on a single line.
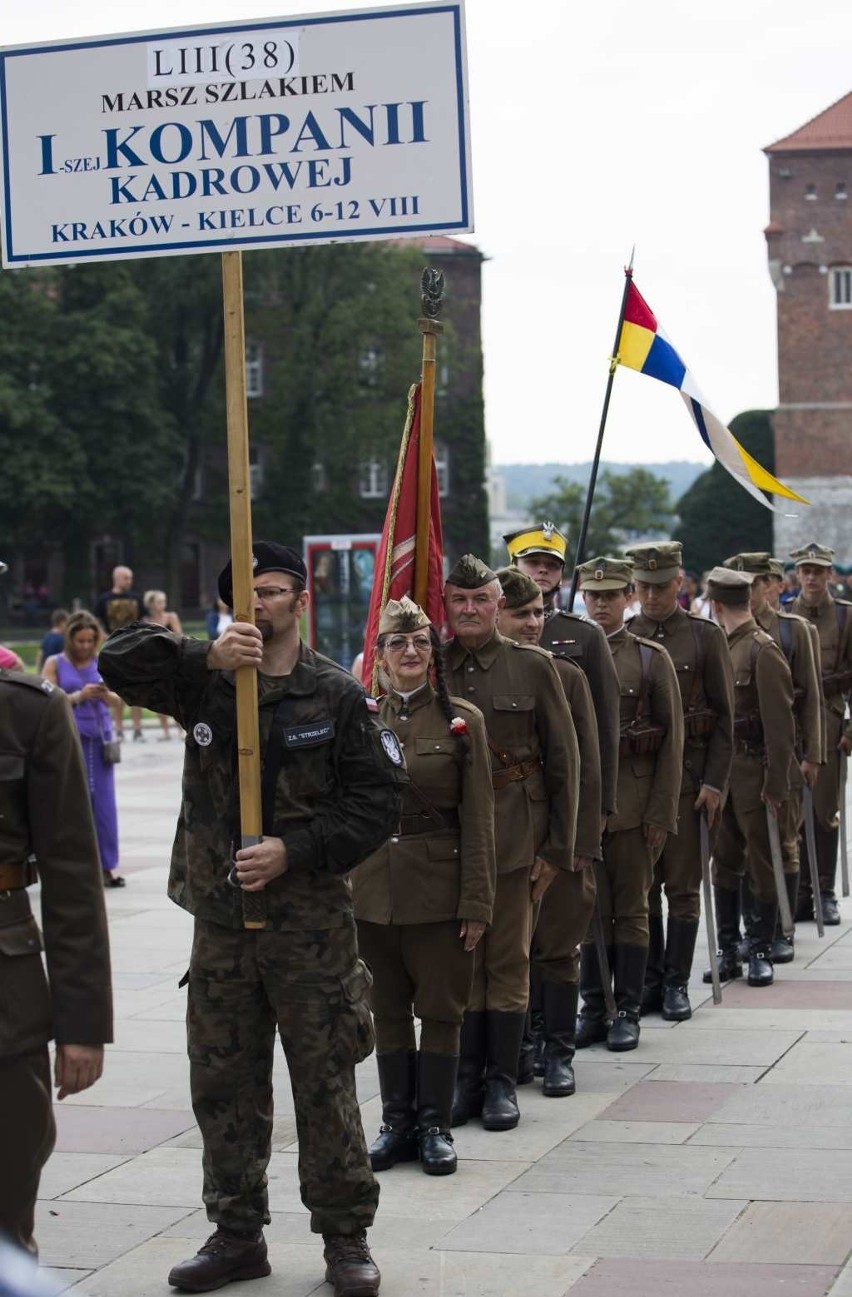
[(306, 736)]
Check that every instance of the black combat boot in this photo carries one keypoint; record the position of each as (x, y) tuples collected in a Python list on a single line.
[(727, 907), (436, 1078), (629, 980), (226, 1256), (826, 840), (680, 947), (397, 1138), (526, 1058), (652, 992), (759, 959), (782, 950), (470, 1079), (592, 1024), (560, 1030), (500, 1103), (749, 918)]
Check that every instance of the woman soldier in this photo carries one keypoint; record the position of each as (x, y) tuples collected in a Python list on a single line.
[(424, 899)]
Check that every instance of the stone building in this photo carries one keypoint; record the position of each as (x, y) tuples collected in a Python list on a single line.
[(809, 242)]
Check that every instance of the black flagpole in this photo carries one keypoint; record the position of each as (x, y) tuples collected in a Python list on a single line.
[(580, 552)]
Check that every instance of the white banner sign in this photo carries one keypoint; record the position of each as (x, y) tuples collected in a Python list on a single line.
[(284, 131)]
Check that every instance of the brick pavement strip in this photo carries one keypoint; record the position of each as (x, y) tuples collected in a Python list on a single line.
[(715, 1161)]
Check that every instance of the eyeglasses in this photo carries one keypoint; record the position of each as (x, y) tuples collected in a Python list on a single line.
[(266, 592), (398, 643)]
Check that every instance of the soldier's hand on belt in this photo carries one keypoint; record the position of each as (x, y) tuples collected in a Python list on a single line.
[(77, 1067), (655, 836), (239, 645), (809, 772), (258, 865), (541, 876), (471, 931), (709, 800)]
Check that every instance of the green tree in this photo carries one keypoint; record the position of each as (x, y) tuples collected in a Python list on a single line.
[(626, 507), (717, 517)]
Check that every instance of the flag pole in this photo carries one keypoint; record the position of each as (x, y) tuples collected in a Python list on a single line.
[(239, 490), (432, 292), (580, 552)]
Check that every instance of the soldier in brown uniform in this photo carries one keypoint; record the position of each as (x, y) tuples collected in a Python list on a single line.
[(539, 551), (566, 911), (701, 660), (424, 899), (764, 737), (535, 774), (46, 832), (793, 636), (833, 621), (648, 793)]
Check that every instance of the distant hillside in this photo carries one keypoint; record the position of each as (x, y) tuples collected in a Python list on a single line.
[(525, 482)]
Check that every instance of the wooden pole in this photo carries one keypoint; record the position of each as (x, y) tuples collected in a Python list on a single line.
[(432, 290), (239, 488)]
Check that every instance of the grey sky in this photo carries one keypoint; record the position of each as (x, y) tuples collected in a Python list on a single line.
[(595, 127)]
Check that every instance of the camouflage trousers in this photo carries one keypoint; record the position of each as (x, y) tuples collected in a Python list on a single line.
[(313, 987)]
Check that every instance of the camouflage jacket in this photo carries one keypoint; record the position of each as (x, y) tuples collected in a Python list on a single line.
[(334, 799)]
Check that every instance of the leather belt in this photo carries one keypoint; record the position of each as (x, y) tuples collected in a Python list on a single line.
[(13, 877), (409, 825), (512, 774)]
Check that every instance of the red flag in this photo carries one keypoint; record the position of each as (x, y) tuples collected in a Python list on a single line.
[(395, 557)]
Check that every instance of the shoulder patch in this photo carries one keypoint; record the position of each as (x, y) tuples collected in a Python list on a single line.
[(390, 743), (33, 682)]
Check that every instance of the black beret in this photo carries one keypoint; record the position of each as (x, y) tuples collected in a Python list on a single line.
[(269, 556)]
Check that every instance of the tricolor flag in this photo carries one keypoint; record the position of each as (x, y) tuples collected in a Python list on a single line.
[(644, 346), (395, 557)]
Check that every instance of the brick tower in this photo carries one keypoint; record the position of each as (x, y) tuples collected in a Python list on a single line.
[(809, 242)]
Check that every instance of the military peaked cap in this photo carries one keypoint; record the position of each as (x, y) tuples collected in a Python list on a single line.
[(605, 574), (545, 538), (518, 588), (819, 555), (268, 556), (656, 564)]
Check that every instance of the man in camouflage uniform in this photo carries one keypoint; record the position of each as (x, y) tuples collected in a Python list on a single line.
[(702, 663), (793, 636), (832, 619), (330, 795), (535, 774), (764, 737), (46, 833), (566, 910), (648, 792)]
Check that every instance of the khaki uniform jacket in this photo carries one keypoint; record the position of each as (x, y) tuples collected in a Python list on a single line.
[(579, 696), (584, 643), (45, 812), (702, 663), (835, 645), (763, 684), (526, 716), (648, 784), (806, 677), (334, 798), (438, 874)]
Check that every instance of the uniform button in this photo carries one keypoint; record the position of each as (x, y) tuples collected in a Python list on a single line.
[(471, 689), (471, 668), (437, 747), (394, 839), (514, 704)]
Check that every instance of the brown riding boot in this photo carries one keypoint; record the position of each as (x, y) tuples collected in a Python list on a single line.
[(349, 1267)]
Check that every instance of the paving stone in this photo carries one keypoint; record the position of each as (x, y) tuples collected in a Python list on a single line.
[(615, 1277), (65, 1171), (538, 1224), (786, 993), (800, 1233), (55, 1280), (87, 1235), (160, 1036), (773, 1136), (129, 1080), (786, 1175), (707, 1073), (668, 1101), (476, 1274), (115, 1130), (843, 1286), (634, 1132), (802, 1017), (628, 1169), (752, 1048), (838, 957), (682, 1229), (788, 1106), (814, 1063), (163, 1177)]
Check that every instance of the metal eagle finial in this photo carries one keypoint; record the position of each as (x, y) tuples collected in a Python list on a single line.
[(431, 292)]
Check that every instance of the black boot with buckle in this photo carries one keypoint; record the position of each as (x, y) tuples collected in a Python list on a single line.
[(629, 977), (560, 1031), (783, 950), (680, 948), (228, 1255), (592, 1024), (759, 958), (727, 907), (436, 1078), (500, 1103), (397, 1138), (470, 1078)]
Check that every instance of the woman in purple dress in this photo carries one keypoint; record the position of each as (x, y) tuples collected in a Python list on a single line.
[(75, 670)]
